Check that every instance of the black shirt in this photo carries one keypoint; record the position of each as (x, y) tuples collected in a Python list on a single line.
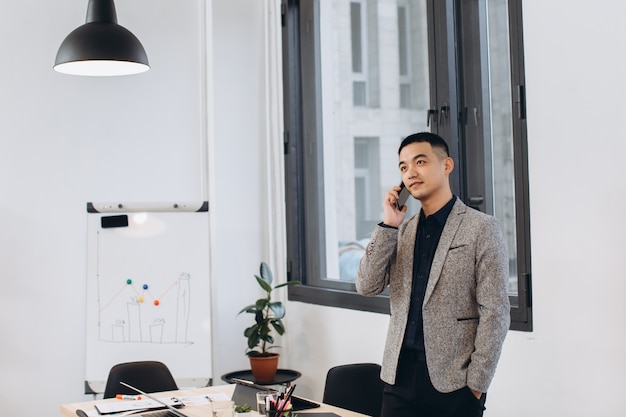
[(426, 240)]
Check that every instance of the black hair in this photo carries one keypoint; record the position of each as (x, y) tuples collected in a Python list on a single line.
[(435, 141)]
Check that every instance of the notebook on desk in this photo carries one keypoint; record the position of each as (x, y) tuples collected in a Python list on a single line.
[(170, 410), (245, 393), (143, 405)]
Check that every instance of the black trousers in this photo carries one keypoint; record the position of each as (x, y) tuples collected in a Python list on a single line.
[(413, 395)]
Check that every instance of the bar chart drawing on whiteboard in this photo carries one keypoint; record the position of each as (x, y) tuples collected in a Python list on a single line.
[(143, 312)]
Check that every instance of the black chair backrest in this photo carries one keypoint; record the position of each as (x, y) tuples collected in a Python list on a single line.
[(356, 387), (148, 376)]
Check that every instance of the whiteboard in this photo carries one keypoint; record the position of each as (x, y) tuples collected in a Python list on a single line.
[(148, 293)]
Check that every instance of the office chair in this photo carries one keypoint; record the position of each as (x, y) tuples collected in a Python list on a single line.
[(148, 376), (356, 387)]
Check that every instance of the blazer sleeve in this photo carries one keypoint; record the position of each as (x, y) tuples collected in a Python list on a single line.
[(373, 274), (492, 274)]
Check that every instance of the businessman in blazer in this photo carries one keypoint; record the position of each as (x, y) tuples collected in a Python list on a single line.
[(447, 271)]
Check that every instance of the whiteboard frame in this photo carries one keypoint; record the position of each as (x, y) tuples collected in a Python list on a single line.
[(97, 210)]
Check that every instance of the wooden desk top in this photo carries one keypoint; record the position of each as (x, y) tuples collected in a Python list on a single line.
[(69, 410)]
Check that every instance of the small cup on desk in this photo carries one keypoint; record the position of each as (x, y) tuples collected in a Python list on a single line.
[(261, 402), (223, 408)]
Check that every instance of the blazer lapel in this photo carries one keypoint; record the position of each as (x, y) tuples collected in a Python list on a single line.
[(404, 258), (445, 241)]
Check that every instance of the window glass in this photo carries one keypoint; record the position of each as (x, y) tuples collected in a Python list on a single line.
[(361, 138), (502, 129)]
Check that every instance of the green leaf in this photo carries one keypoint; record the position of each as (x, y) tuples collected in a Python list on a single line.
[(287, 283), (259, 318), (278, 326), (250, 330), (266, 273), (252, 308), (278, 309), (253, 341), (264, 284), (253, 336)]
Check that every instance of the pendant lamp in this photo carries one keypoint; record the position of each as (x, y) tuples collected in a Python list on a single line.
[(101, 47)]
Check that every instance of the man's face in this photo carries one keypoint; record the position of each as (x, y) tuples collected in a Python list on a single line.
[(424, 171)]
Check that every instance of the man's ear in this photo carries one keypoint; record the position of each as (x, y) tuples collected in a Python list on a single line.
[(448, 165)]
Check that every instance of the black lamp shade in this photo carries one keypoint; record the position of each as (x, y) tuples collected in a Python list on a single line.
[(101, 47)]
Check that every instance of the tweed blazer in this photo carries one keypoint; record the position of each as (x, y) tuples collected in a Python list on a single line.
[(466, 306)]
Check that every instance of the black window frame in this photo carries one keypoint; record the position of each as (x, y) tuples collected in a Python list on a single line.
[(304, 213)]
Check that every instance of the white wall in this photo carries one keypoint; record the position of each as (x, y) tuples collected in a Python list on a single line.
[(237, 171), (67, 140)]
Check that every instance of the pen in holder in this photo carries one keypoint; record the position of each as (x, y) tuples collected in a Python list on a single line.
[(281, 406), (279, 409)]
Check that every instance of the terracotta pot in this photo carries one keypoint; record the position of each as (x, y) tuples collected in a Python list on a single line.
[(264, 366)]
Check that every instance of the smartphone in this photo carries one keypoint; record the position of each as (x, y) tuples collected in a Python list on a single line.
[(402, 196)]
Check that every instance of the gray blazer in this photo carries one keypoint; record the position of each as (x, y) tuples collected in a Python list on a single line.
[(466, 306)]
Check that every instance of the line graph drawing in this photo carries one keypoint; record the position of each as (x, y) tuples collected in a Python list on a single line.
[(146, 318)]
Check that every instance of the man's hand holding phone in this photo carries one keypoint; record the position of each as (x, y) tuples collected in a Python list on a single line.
[(394, 205)]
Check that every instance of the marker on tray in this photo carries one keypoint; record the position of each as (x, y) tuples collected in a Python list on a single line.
[(128, 397)]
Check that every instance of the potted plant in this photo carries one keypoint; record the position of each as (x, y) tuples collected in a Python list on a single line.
[(243, 410), (268, 317)]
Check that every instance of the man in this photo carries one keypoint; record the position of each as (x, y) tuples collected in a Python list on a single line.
[(447, 272)]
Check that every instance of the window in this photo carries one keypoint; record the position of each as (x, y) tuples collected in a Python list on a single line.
[(366, 182), (404, 56), (359, 53), (360, 76)]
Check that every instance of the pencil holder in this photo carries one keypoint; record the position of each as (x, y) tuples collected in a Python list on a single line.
[(285, 413)]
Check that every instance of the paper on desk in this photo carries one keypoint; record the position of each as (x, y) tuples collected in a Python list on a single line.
[(203, 399), (124, 407), (134, 405), (94, 413)]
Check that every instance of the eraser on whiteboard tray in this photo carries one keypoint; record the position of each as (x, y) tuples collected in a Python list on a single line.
[(114, 221)]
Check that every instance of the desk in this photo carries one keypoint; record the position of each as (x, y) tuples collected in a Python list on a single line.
[(69, 410)]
